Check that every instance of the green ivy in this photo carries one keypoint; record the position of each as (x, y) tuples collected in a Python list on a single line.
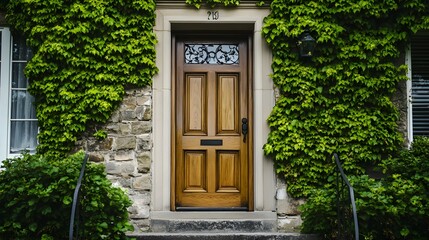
[(338, 101), (85, 54), (213, 3)]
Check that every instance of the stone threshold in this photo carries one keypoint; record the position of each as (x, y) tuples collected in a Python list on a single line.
[(213, 222), (205, 215)]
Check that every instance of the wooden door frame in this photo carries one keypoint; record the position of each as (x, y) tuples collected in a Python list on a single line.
[(248, 35)]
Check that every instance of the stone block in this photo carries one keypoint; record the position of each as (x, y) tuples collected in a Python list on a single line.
[(141, 225), (124, 128), (141, 127), (289, 224), (136, 174), (113, 168), (129, 102), (120, 181), (115, 117), (144, 162), (143, 113), (127, 168), (281, 193), (147, 114), (128, 115), (123, 143), (140, 198), (144, 142), (99, 145), (96, 157), (112, 128), (140, 112), (126, 155), (144, 100), (142, 183)]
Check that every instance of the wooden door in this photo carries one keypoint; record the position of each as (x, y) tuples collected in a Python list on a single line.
[(212, 159)]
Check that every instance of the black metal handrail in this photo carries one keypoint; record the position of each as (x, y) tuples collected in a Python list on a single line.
[(75, 198), (343, 185)]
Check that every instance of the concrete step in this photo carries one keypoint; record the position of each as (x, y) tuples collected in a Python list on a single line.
[(217, 226), (224, 236), (214, 222)]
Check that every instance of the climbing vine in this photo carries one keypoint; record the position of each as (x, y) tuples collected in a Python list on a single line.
[(85, 54), (213, 3), (88, 52), (340, 100)]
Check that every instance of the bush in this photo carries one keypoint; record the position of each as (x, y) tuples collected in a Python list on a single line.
[(36, 195), (394, 207)]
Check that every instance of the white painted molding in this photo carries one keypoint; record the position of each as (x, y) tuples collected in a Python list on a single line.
[(167, 17)]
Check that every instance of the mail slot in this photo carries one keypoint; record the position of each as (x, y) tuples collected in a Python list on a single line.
[(211, 142)]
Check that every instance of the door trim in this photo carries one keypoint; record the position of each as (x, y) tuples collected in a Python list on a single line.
[(169, 19), (249, 73)]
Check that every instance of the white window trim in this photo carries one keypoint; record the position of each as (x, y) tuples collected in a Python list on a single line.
[(4, 92), (409, 99)]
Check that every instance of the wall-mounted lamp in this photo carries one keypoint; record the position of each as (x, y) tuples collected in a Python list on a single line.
[(306, 45)]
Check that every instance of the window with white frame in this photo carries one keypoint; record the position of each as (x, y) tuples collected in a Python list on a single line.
[(418, 87), (18, 123)]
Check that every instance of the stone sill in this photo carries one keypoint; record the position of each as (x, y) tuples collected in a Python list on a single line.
[(259, 215)]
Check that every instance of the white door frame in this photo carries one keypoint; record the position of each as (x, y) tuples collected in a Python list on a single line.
[(263, 98)]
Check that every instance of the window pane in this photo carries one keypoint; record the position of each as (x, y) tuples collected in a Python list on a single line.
[(20, 50), (22, 105), (18, 78), (420, 85), (23, 122), (211, 54), (23, 136)]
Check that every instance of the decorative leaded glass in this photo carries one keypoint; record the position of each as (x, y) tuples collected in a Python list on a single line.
[(211, 54)]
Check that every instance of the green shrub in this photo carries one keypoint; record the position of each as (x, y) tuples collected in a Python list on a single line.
[(36, 197), (319, 213), (394, 207)]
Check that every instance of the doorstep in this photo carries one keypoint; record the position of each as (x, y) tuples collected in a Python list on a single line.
[(260, 225), (217, 222)]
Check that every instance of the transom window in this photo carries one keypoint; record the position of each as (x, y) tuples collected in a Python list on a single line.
[(211, 54)]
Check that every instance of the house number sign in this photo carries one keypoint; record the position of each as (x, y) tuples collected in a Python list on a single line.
[(212, 15)]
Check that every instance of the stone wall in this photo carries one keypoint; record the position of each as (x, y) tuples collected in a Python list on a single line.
[(126, 152), (400, 100), (288, 215)]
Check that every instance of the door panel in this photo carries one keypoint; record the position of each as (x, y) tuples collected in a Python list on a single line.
[(211, 166), (228, 104), (195, 104), (195, 171), (228, 171)]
